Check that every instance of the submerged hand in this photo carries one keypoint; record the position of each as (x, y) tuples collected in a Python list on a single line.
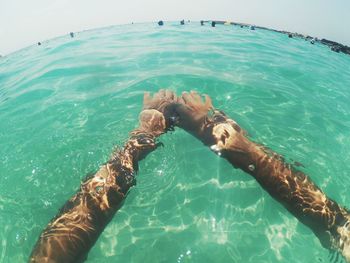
[(199, 117), (155, 118), (192, 111), (159, 101), (164, 102)]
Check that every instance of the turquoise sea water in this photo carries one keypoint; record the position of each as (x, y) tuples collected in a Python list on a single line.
[(64, 105)]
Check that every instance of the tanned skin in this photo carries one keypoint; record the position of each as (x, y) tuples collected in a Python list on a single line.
[(71, 234), (292, 188), (74, 230)]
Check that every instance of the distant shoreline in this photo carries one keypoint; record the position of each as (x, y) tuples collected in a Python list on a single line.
[(334, 46)]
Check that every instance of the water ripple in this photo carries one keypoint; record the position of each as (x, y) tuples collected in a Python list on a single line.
[(66, 103)]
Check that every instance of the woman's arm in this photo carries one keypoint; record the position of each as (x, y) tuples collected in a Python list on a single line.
[(329, 221), (75, 229)]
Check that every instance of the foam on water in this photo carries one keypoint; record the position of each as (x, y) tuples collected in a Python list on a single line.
[(66, 103)]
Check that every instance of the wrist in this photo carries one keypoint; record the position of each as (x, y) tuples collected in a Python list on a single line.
[(225, 137), (140, 144), (216, 128)]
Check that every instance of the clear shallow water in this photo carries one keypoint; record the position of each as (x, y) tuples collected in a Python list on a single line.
[(65, 105)]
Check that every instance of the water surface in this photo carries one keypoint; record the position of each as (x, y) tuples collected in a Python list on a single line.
[(64, 106)]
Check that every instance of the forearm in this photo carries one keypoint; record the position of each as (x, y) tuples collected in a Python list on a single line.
[(289, 186), (70, 235)]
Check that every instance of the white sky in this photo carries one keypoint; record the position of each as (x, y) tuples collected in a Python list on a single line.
[(25, 22)]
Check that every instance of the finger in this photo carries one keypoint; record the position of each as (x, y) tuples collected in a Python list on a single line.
[(187, 98), (174, 97), (196, 97), (180, 100), (169, 94), (161, 94), (146, 98), (208, 102)]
